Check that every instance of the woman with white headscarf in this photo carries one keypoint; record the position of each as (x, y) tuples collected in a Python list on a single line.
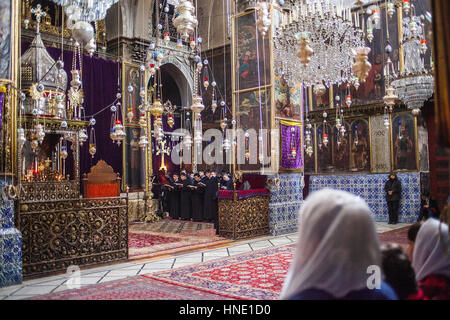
[(336, 246), (431, 260)]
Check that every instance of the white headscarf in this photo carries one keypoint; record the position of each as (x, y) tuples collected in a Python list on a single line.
[(337, 242), (432, 250)]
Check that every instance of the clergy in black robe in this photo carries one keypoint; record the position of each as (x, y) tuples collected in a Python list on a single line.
[(174, 197), (226, 183), (210, 206), (197, 198), (165, 193), (185, 197)]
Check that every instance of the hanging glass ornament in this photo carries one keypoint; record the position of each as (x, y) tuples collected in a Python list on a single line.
[(205, 83), (214, 105), (423, 46), (304, 52), (386, 121), (82, 137), (223, 124), (179, 44), (170, 120), (92, 143), (226, 144), (406, 7), (309, 150), (130, 115), (152, 69), (63, 153), (370, 35), (192, 43), (21, 137), (187, 141), (40, 134), (338, 123), (325, 139), (361, 65), (263, 20), (143, 141), (184, 19), (166, 38), (143, 121), (348, 100)]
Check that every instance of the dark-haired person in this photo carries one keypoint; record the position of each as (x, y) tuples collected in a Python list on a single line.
[(393, 189), (210, 206), (226, 183), (428, 208), (185, 197), (412, 235), (399, 273), (175, 197), (165, 193), (197, 195)]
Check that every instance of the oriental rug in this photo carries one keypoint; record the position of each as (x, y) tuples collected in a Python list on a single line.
[(178, 227), (132, 288), (399, 236), (256, 275), (147, 240)]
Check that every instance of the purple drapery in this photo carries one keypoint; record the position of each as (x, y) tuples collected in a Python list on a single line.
[(2, 98), (291, 138), (100, 84)]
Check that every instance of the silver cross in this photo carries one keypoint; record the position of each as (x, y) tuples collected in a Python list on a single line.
[(38, 12)]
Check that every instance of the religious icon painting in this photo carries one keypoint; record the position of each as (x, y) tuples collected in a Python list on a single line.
[(251, 54), (253, 109), (404, 142), (288, 99), (341, 147), (360, 145), (133, 82), (324, 148), (134, 160), (5, 39), (309, 160)]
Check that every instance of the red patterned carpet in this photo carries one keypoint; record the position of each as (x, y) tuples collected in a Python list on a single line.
[(133, 288), (147, 240), (399, 236), (256, 275)]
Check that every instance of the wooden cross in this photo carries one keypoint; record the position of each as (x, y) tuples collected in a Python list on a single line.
[(161, 151), (38, 12)]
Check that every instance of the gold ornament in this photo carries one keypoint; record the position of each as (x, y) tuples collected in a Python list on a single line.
[(361, 66)]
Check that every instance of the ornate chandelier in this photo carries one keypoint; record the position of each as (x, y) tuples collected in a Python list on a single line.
[(415, 85), (317, 45), (86, 10)]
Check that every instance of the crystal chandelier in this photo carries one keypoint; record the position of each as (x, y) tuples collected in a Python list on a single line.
[(317, 45), (86, 10), (414, 85)]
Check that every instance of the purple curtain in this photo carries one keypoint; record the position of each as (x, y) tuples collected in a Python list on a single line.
[(291, 138), (2, 98), (100, 84)]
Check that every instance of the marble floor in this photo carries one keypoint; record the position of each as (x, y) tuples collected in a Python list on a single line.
[(91, 276)]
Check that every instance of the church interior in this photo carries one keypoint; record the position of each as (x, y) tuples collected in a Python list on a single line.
[(224, 149)]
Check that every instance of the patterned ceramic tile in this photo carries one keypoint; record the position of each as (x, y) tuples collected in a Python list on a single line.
[(285, 204), (10, 244), (370, 187)]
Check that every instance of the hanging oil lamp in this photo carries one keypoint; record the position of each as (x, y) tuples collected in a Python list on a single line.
[(361, 65), (92, 143)]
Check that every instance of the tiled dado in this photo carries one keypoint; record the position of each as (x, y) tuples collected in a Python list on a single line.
[(10, 243), (370, 187), (285, 203)]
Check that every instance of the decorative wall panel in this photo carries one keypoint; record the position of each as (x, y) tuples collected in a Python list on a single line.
[(380, 145), (72, 232), (371, 188), (285, 203), (244, 218), (10, 243)]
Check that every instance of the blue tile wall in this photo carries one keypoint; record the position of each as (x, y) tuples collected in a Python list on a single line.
[(285, 203), (370, 187), (10, 243)]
